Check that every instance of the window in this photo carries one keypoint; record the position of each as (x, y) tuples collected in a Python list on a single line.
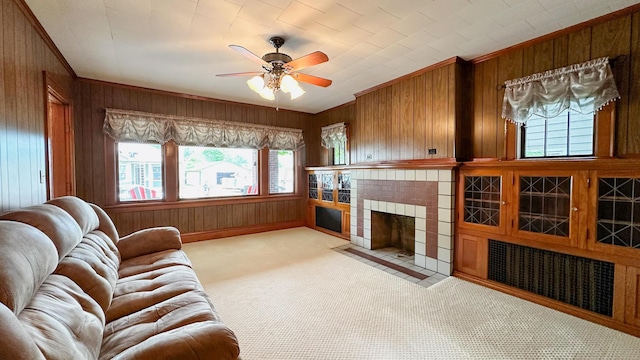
[(281, 171), (339, 154), (140, 171), (569, 134), (225, 161), (334, 139), (215, 172)]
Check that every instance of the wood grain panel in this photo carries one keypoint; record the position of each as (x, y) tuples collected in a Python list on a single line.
[(633, 130), (612, 39), (509, 67), (406, 120), (428, 112), (25, 55), (419, 116), (478, 110), (560, 51), (579, 46), (543, 56), (440, 111), (491, 116)]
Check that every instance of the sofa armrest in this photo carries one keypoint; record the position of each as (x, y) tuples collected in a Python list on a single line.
[(148, 241)]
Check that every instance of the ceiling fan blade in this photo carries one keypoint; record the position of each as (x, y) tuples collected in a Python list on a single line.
[(318, 81), (314, 58), (251, 56), (242, 74)]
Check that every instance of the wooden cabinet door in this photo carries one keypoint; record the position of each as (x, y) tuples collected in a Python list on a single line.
[(472, 255), (632, 296)]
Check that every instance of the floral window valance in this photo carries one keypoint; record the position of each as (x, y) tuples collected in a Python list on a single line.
[(334, 136), (125, 125), (583, 88)]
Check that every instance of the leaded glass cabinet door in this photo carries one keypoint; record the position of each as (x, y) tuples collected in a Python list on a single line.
[(548, 206), (615, 216), (481, 203)]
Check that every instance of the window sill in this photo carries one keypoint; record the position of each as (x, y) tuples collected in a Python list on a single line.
[(194, 203)]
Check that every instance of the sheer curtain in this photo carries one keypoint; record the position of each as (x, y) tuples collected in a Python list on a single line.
[(334, 136), (584, 88), (126, 125)]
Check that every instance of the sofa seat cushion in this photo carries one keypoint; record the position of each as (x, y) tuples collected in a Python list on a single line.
[(181, 327), (136, 292)]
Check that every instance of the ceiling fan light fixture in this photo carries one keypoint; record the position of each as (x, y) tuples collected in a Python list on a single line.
[(267, 93), (256, 83), (288, 84), (296, 92)]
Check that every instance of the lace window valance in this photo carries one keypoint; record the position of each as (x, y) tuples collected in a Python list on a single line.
[(334, 136), (125, 125), (583, 88)]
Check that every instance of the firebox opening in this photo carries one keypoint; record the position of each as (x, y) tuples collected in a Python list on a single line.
[(390, 230)]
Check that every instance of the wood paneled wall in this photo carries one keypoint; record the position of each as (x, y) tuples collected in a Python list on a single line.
[(403, 120), (620, 36), (91, 98), (25, 56)]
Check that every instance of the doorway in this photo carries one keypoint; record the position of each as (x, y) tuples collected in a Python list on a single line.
[(60, 153)]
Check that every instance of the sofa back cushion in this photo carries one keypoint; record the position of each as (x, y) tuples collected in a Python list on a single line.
[(27, 257), (56, 223), (74, 268), (80, 210)]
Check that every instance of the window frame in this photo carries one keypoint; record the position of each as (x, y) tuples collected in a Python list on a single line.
[(522, 148), (179, 184), (604, 138), (171, 182)]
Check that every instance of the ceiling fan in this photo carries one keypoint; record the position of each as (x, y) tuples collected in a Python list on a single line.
[(280, 71)]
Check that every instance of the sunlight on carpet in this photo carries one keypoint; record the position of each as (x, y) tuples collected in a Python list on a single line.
[(287, 295)]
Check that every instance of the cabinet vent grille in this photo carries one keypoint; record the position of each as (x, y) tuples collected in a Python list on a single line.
[(578, 281)]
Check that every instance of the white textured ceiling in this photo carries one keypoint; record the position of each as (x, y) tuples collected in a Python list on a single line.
[(180, 45)]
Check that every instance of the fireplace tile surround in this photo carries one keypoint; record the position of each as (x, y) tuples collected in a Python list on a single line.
[(426, 194)]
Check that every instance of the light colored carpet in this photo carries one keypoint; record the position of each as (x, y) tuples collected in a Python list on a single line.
[(287, 295)]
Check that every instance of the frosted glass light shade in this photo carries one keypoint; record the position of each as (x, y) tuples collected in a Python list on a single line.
[(256, 83), (288, 83), (267, 93), (296, 92)]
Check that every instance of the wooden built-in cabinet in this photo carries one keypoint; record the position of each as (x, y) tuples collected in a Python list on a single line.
[(548, 214), (329, 204)]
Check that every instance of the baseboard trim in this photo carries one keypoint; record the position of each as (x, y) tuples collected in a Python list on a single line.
[(245, 230), (553, 304)]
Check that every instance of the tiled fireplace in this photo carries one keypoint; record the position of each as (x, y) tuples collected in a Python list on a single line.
[(425, 194)]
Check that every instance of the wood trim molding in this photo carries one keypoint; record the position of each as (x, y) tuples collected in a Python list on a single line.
[(541, 300), (245, 230), (557, 164), (453, 60), (406, 164), (22, 5), (583, 25)]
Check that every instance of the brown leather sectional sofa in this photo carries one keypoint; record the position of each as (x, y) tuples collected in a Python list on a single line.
[(70, 288)]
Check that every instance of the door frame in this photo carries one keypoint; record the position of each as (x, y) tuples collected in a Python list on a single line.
[(54, 93)]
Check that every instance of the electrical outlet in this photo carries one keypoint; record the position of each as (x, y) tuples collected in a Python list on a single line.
[(369, 156), (432, 151)]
